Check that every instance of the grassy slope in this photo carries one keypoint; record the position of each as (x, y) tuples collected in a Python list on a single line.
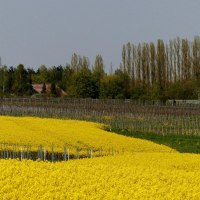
[(183, 144)]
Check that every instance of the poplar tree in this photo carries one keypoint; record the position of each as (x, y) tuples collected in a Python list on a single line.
[(161, 76), (178, 59), (21, 80), (124, 57), (138, 69), (98, 72), (153, 63), (186, 62), (128, 59), (133, 65)]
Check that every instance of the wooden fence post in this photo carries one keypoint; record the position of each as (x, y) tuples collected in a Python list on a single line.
[(91, 153), (65, 153), (68, 156), (77, 152), (22, 153), (52, 154), (44, 154)]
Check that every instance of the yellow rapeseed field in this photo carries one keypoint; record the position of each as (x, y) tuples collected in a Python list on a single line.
[(144, 171), (36, 131), (126, 177)]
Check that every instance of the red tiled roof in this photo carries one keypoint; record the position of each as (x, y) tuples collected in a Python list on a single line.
[(38, 89)]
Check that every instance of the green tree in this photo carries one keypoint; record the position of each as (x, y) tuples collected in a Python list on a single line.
[(9, 82), (43, 74), (138, 93), (138, 67), (133, 65), (124, 58), (161, 67), (98, 72), (54, 92), (66, 77), (3, 72), (29, 90), (55, 74), (128, 59), (83, 85), (75, 62), (115, 86), (20, 86)]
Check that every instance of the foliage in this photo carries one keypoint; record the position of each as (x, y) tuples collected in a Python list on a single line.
[(115, 86), (148, 71), (83, 85), (138, 92), (54, 91)]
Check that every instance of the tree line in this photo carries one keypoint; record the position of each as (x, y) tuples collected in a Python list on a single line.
[(148, 71), (163, 71)]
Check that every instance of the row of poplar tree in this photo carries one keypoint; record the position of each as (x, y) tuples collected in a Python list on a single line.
[(147, 71)]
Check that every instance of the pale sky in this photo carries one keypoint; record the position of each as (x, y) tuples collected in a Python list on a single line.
[(36, 32)]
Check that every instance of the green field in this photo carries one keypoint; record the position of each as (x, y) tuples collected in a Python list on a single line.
[(182, 143)]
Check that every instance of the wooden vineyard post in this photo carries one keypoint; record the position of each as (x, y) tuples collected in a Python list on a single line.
[(40, 153), (170, 128), (52, 154), (68, 154), (13, 151), (77, 153), (22, 153), (29, 153), (24, 147), (88, 153), (174, 127), (7, 155), (100, 152), (44, 154), (65, 153), (25, 151), (91, 153)]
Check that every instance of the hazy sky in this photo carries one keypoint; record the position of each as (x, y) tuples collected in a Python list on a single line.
[(36, 32)]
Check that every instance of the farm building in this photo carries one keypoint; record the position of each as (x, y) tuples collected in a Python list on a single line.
[(38, 88)]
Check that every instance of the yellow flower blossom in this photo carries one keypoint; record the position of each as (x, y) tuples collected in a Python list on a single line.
[(145, 171), (129, 176), (73, 133)]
